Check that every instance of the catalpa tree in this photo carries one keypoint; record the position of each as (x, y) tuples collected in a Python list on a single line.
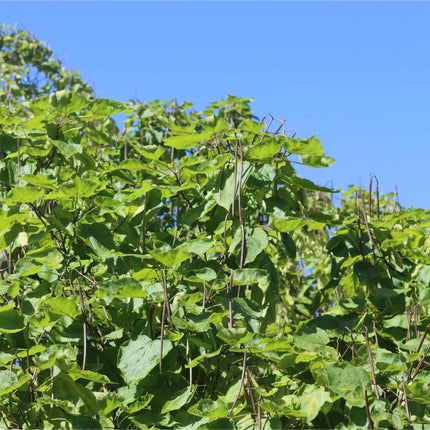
[(180, 274)]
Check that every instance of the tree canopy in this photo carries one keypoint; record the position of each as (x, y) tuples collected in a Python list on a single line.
[(178, 273)]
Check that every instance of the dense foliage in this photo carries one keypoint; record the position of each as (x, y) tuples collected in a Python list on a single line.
[(180, 274)]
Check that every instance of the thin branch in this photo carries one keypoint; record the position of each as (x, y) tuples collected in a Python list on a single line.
[(361, 239), (163, 316), (367, 223), (235, 177), (395, 198), (368, 410), (19, 162), (242, 224), (406, 399), (84, 317), (230, 298), (372, 367), (166, 298), (241, 382), (248, 383)]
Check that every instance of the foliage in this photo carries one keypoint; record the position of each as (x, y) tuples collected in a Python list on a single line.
[(180, 274)]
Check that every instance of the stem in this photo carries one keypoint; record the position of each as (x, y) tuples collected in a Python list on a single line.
[(19, 162), (230, 304), (163, 316), (406, 399), (84, 317), (367, 224), (248, 382), (235, 177), (241, 382), (242, 225), (166, 298), (368, 410), (361, 240), (372, 368), (395, 198)]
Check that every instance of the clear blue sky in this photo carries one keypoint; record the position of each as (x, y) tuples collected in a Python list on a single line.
[(356, 74)]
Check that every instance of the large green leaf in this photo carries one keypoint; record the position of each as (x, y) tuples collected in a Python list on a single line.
[(75, 188), (348, 381), (24, 194), (98, 237), (64, 305), (11, 321), (139, 356), (313, 400), (171, 257), (311, 339), (186, 141)]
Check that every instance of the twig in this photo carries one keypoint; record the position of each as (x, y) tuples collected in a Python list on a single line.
[(235, 176), (248, 382), (372, 368), (406, 399), (395, 198), (166, 298), (419, 365), (163, 316), (368, 410), (367, 223), (422, 359), (84, 317), (241, 382), (19, 162), (361, 240), (242, 225), (230, 304)]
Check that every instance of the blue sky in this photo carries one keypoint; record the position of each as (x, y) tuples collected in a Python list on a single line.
[(356, 74)]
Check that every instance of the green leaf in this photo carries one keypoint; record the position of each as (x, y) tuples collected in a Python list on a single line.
[(347, 381), (124, 288), (132, 164), (234, 336), (311, 146), (65, 385), (198, 247), (51, 258), (68, 306), (312, 401), (67, 102), (319, 161), (255, 242), (250, 276), (287, 246), (138, 357), (186, 141), (8, 381), (75, 188), (41, 181), (266, 148), (24, 194), (11, 321), (177, 399), (223, 193), (419, 391), (311, 339), (150, 152), (294, 224), (98, 237), (171, 257), (101, 108), (210, 408), (68, 149)]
